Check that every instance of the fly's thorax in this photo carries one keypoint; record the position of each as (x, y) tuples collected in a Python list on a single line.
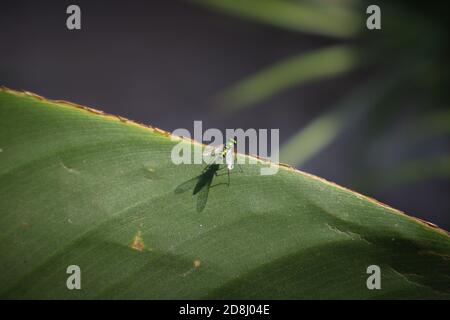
[(224, 152), (230, 144)]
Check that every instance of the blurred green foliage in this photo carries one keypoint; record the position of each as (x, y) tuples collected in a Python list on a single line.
[(410, 59), (293, 71), (318, 17)]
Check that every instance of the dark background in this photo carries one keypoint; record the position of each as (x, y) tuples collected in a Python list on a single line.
[(164, 63)]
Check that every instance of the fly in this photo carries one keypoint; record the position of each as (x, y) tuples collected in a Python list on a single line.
[(203, 182)]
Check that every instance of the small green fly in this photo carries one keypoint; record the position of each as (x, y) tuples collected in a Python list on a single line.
[(203, 182), (228, 154)]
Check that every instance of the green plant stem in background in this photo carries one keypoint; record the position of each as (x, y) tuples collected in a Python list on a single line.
[(323, 130), (291, 72), (412, 171), (313, 138), (335, 19)]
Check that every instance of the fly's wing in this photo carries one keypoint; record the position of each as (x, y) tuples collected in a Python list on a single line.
[(217, 159), (187, 185), (201, 185), (202, 195), (211, 154), (205, 178), (198, 182), (229, 159)]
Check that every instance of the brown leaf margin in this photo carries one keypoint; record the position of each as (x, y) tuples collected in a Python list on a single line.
[(283, 166)]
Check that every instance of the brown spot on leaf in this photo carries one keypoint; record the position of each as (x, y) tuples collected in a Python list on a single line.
[(122, 119), (138, 242), (162, 132)]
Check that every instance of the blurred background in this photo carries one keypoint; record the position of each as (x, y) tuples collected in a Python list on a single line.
[(367, 109)]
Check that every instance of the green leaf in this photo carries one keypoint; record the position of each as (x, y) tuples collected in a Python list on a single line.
[(78, 187), (297, 70), (335, 19)]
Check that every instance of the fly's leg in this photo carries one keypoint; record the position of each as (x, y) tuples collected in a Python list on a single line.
[(229, 172), (215, 172), (218, 184), (239, 165), (211, 162)]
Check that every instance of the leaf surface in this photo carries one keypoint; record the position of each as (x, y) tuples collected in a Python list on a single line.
[(78, 187)]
